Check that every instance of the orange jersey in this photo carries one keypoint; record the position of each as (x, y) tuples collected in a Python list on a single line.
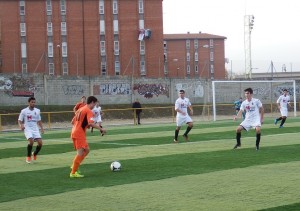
[(78, 106), (83, 117)]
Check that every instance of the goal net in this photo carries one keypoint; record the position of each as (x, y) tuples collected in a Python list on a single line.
[(225, 93)]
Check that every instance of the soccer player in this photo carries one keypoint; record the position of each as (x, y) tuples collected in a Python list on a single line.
[(254, 117), (181, 105), (80, 104), (98, 117), (29, 121), (137, 108), (283, 103), (83, 119), (237, 106)]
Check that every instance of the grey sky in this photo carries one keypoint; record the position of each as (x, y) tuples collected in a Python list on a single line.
[(275, 34)]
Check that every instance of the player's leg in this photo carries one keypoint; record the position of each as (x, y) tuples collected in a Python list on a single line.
[(258, 134), (82, 151), (284, 114), (38, 148), (29, 149), (188, 129), (238, 136)]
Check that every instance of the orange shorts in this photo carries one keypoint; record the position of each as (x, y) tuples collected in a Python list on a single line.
[(80, 143)]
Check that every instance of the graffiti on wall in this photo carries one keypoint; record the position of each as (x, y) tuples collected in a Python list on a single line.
[(113, 89), (73, 89), (17, 86), (195, 89), (149, 90)]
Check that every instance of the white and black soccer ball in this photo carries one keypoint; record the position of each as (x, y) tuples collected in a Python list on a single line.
[(115, 166)]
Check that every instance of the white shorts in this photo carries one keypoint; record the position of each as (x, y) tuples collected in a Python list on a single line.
[(181, 120), (250, 124), (284, 112), (34, 134), (97, 119)]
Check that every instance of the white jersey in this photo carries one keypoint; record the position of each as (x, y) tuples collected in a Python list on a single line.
[(30, 118), (97, 114), (252, 118), (284, 100), (182, 105)]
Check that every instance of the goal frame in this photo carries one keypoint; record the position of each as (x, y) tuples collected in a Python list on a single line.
[(259, 81)]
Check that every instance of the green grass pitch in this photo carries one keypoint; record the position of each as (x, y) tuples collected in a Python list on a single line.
[(203, 174)]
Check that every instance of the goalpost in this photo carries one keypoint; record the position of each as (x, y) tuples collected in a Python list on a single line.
[(267, 91)]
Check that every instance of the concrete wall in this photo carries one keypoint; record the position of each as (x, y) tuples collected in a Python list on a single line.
[(67, 90)]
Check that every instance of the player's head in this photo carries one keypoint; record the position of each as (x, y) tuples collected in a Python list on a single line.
[(241, 99), (83, 99), (91, 101), (31, 102), (181, 93), (249, 90)]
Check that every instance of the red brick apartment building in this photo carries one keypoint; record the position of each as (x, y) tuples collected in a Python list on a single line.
[(194, 56), (101, 38)]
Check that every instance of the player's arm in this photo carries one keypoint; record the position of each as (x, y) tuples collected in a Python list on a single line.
[(191, 110), (262, 112), (238, 115), (21, 124), (41, 126), (177, 109)]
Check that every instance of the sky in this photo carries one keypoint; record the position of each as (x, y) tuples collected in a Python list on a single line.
[(275, 36)]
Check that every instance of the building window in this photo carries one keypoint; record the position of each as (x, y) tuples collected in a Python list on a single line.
[(196, 57), (116, 27), (63, 26), (49, 7), (49, 29), (117, 67), (51, 68), (212, 68), (115, 7), (188, 69), (187, 44), (22, 7), (142, 47), (101, 7), (23, 50), (102, 27), (211, 56), (196, 69), (211, 43), (50, 49), (63, 7), (141, 24), (116, 47), (196, 45), (142, 67), (141, 6), (64, 49), (24, 68), (188, 56), (103, 68), (102, 48), (23, 29), (65, 68)]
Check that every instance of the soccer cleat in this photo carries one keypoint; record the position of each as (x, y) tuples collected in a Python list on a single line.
[(281, 126), (275, 121), (237, 146), (28, 160), (176, 141), (34, 156), (76, 175), (78, 171), (257, 148), (186, 138)]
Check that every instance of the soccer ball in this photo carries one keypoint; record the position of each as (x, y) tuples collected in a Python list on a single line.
[(115, 166)]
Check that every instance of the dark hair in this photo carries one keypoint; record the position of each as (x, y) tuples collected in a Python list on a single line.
[(249, 90), (284, 89), (91, 99), (181, 91), (30, 99)]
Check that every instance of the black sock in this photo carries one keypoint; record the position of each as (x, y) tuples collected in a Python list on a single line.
[(238, 138), (280, 118), (187, 131), (38, 148), (257, 139), (282, 121), (176, 134), (29, 149)]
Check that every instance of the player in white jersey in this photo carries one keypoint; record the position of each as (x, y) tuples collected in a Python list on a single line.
[(283, 103), (254, 117), (97, 118), (181, 107), (30, 121)]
